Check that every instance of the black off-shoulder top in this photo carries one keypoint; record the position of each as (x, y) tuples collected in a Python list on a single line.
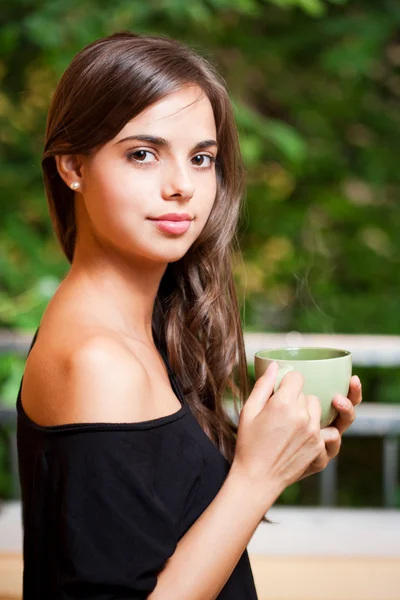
[(105, 504)]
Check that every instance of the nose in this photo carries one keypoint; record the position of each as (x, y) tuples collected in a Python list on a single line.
[(177, 182)]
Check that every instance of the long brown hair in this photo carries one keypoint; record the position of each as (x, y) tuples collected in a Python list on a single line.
[(196, 316)]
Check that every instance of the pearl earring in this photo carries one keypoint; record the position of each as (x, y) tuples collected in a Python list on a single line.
[(75, 185)]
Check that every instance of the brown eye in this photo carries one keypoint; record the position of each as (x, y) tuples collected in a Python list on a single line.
[(200, 159), (140, 156)]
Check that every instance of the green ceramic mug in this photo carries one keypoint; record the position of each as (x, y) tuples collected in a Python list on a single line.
[(326, 372)]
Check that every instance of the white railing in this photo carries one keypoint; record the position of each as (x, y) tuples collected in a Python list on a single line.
[(373, 419), (367, 350)]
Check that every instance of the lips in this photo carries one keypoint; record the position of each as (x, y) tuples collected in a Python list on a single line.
[(175, 227), (173, 217)]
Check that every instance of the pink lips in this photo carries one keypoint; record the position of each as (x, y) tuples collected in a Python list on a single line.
[(173, 222), (172, 226)]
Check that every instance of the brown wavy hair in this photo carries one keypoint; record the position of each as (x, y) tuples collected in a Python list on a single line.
[(196, 318)]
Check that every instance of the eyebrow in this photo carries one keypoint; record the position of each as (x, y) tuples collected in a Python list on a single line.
[(159, 141)]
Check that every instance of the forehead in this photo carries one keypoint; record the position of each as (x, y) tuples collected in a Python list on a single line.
[(187, 111)]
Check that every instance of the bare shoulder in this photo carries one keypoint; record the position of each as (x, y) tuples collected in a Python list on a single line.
[(96, 381), (106, 383)]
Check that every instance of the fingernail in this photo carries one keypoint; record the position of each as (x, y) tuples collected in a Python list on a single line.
[(357, 381), (342, 401)]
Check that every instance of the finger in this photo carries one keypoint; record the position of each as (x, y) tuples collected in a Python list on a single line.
[(291, 384), (355, 391), (314, 409), (333, 441), (347, 414), (318, 464), (262, 390)]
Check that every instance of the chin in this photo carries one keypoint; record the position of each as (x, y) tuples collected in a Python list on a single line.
[(172, 257), (167, 256)]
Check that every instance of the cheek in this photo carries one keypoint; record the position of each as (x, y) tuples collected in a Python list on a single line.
[(205, 199), (118, 198)]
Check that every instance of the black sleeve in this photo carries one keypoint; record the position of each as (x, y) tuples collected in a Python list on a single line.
[(114, 532)]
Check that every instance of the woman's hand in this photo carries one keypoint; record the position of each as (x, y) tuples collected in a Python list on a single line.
[(333, 434), (279, 435)]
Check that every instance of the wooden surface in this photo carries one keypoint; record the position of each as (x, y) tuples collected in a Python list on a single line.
[(283, 578), (10, 576), (325, 578)]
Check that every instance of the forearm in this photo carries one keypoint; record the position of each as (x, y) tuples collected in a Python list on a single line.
[(207, 554)]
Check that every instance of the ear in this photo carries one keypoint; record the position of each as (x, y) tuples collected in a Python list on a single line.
[(69, 167)]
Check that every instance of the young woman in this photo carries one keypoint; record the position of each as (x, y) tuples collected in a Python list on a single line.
[(135, 483)]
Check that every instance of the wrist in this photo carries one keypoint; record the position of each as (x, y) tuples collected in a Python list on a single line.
[(261, 493)]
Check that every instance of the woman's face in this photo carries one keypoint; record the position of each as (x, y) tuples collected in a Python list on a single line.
[(129, 182)]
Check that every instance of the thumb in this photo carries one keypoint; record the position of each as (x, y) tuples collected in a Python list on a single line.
[(262, 390)]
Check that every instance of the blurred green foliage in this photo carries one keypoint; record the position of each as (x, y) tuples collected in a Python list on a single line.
[(316, 90), (316, 93)]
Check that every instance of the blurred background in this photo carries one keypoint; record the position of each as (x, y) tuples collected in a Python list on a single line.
[(316, 90)]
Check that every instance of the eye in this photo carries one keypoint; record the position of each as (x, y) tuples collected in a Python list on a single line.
[(139, 156), (201, 158)]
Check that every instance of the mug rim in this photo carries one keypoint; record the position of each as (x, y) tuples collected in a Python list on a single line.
[(345, 353)]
